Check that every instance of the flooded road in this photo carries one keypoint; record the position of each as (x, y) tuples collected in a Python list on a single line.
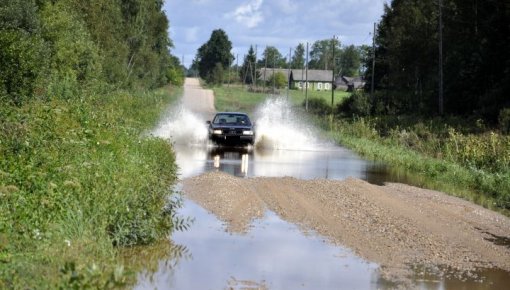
[(273, 250), (327, 162)]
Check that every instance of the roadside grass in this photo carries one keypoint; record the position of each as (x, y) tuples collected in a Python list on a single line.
[(79, 181), (237, 99), (298, 96), (475, 167)]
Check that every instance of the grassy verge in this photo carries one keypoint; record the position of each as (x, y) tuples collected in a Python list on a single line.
[(472, 166), (78, 182), (236, 98)]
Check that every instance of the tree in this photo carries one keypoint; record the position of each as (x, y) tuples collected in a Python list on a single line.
[(22, 51), (321, 54), (350, 61), (215, 51), (278, 79), (298, 59), (476, 60), (247, 71), (271, 57)]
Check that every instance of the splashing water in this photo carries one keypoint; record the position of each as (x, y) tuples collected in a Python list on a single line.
[(182, 126), (279, 127)]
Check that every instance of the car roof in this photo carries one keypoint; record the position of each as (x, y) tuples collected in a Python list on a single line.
[(231, 113)]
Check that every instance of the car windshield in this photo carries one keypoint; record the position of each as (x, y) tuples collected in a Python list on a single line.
[(231, 119)]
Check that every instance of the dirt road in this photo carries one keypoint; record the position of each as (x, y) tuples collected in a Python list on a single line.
[(198, 99), (395, 225)]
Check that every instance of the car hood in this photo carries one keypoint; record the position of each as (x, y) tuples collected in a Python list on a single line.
[(221, 126)]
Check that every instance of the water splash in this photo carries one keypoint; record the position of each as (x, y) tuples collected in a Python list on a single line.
[(182, 126), (279, 127)]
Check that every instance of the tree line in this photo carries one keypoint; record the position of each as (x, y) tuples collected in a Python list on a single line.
[(214, 57), (476, 66), (52, 48)]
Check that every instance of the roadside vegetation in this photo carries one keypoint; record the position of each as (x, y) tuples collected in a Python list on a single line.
[(451, 155), (80, 179)]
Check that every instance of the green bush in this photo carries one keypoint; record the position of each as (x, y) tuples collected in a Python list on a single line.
[(358, 104), (22, 62), (318, 106), (504, 120), (278, 79)]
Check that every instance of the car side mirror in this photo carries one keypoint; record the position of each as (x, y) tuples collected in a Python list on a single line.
[(208, 122)]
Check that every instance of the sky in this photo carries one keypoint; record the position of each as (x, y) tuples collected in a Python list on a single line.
[(280, 23)]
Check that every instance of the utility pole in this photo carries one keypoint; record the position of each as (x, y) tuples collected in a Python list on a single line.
[(333, 73), (306, 79), (441, 100), (288, 73), (373, 67), (229, 68), (274, 77), (265, 70), (255, 70)]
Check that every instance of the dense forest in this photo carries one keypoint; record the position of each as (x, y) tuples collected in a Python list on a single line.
[(475, 59), (59, 48)]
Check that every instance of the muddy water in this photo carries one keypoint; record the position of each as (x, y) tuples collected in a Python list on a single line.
[(327, 162), (272, 255)]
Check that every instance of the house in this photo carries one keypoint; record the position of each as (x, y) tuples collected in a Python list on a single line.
[(317, 79), (350, 84)]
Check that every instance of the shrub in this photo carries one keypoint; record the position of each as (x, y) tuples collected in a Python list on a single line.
[(278, 79), (318, 106), (504, 120), (358, 104)]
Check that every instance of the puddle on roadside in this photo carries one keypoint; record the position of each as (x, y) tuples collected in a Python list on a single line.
[(273, 254), (495, 239)]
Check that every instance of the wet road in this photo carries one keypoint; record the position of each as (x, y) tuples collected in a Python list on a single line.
[(274, 254), (328, 162)]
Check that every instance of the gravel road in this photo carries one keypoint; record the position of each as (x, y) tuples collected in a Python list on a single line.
[(395, 225)]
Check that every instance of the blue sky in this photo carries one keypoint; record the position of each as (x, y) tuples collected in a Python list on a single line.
[(280, 23)]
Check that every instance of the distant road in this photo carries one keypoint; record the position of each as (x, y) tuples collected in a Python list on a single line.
[(198, 99)]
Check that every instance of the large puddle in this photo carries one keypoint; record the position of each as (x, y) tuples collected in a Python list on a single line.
[(274, 254)]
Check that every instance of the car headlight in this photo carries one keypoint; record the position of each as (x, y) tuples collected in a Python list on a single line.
[(217, 132), (248, 132)]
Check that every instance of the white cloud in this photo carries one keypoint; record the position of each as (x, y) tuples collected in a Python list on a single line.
[(248, 14)]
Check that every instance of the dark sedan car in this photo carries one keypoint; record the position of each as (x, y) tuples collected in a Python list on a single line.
[(231, 128)]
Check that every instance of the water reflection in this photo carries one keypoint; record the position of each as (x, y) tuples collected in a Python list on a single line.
[(326, 162), (272, 255)]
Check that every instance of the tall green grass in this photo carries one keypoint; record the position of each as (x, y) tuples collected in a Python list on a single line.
[(473, 166), (79, 180)]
